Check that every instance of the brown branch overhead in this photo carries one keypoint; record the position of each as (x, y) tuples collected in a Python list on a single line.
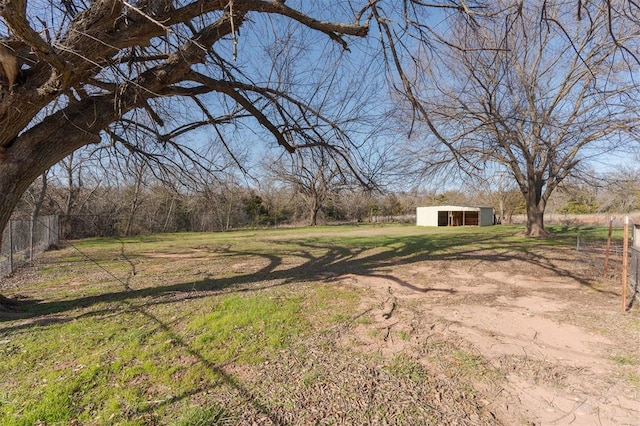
[(98, 33), (409, 92), (304, 109), (86, 53), (13, 13), (56, 110), (45, 82), (109, 108), (332, 29), (9, 67), (231, 91), (99, 64)]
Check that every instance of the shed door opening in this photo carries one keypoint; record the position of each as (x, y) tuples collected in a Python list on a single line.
[(472, 218), (463, 218), (443, 217)]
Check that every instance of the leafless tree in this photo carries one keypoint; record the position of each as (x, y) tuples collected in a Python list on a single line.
[(313, 174), (74, 176), (538, 88), (99, 69), (218, 205), (34, 198), (355, 203), (621, 190)]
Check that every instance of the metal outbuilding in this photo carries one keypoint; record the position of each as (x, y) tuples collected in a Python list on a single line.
[(454, 216)]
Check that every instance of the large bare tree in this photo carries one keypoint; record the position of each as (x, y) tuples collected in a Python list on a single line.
[(76, 73), (535, 88)]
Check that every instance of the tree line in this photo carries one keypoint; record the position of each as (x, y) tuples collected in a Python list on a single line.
[(93, 202)]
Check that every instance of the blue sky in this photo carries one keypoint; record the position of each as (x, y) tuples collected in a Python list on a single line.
[(340, 84)]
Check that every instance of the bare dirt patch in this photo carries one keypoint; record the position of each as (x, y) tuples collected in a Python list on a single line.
[(549, 331)]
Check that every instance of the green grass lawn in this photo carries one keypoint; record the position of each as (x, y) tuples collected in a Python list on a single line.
[(138, 330)]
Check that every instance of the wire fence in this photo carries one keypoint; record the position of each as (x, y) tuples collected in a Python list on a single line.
[(633, 276), (598, 246), (634, 272), (603, 256), (24, 238)]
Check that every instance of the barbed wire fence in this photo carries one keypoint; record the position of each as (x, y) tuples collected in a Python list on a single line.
[(22, 239)]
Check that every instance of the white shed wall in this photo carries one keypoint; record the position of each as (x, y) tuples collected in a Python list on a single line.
[(428, 216)]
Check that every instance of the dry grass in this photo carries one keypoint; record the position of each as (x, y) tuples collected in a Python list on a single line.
[(287, 327)]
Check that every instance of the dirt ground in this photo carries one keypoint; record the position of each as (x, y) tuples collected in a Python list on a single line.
[(523, 338), (553, 331)]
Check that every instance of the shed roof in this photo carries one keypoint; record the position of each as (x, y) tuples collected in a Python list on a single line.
[(457, 208)]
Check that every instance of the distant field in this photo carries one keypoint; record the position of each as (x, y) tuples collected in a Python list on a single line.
[(370, 324)]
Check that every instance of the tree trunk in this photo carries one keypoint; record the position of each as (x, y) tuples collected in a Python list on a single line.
[(315, 208), (535, 223), (536, 205), (12, 186), (13, 183), (169, 214), (40, 148), (35, 213), (72, 189)]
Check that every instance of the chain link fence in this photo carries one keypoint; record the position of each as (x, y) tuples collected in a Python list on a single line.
[(24, 238)]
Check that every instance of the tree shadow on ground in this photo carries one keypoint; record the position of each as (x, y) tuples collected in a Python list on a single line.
[(218, 369), (316, 260)]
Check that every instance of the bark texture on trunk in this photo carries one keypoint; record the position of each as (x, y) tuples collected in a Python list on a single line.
[(535, 224), (314, 217), (536, 204)]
